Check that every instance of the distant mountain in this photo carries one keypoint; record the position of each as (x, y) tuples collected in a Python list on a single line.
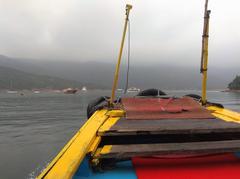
[(142, 73), (18, 80)]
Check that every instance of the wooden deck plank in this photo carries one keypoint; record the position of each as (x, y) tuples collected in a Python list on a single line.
[(170, 126), (126, 151)]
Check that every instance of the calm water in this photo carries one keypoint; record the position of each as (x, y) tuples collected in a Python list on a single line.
[(34, 127)]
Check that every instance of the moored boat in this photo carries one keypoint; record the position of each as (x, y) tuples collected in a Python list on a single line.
[(153, 135), (84, 88), (133, 89), (120, 90), (12, 92), (70, 91)]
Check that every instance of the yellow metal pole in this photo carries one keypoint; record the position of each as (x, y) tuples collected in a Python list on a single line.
[(204, 60), (204, 29), (115, 82)]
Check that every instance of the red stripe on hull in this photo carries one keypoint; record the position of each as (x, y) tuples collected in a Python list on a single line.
[(225, 166)]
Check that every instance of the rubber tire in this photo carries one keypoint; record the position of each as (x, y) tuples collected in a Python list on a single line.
[(215, 104), (96, 104), (194, 96), (198, 98), (151, 92)]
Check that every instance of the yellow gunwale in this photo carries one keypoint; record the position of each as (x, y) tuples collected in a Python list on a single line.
[(85, 141), (65, 164), (225, 114)]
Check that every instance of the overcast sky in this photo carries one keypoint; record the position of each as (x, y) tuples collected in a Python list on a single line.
[(167, 31)]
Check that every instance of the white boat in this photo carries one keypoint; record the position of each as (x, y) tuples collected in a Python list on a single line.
[(84, 88), (133, 89), (11, 92), (57, 91), (11, 87), (120, 90)]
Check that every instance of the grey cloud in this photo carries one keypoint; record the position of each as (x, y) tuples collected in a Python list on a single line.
[(81, 30)]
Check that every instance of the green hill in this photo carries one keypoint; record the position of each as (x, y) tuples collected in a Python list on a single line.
[(235, 84), (18, 80)]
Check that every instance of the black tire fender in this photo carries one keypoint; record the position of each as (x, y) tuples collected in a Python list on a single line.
[(199, 98), (194, 96), (96, 104), (151, 92)]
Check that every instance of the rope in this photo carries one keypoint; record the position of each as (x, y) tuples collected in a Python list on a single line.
[(128, 59)]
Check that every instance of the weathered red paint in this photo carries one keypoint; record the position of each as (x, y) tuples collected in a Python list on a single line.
[(164, 108)]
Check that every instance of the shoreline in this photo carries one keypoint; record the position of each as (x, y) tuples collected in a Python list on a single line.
[(234, 91)]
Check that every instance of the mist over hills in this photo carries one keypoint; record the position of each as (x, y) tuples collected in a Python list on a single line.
[(17, 80), (141, 75)]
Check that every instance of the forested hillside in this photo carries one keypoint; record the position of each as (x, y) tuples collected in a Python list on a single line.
[(15, 79)]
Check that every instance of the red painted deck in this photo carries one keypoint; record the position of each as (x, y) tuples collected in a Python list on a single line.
[(160, 108), (224, 166)]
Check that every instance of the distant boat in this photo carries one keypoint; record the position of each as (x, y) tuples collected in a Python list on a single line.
[(12, 92), (120, 90), (84, 88), (56, 91), (36, 92), (229, 90), (70, 91), (133, 89), (11, 87)]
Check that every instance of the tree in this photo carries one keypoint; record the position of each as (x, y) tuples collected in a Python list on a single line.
[(235, 84)]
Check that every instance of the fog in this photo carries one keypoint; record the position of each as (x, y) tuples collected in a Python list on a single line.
[(163, 31)]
